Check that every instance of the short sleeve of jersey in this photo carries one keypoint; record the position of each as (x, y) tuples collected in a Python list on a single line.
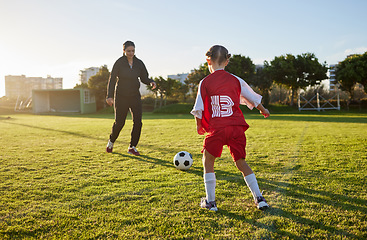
[(199, 104)]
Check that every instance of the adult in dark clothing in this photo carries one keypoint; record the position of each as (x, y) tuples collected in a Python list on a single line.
[(123, 93)]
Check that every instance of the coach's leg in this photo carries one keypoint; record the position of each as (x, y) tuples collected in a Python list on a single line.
[(209, 175), (121, 109), (136, 113)]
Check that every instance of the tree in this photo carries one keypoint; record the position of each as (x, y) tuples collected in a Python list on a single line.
[(165, 88), (159, 90), (310, 72), (297, 72), (350, 71), (346, 75), (244, 68), (241, 66), (262, 80), (363, 69), (282, 70), (98, 84), (180, 90), (82, 85), (196, 76), (169, 88)]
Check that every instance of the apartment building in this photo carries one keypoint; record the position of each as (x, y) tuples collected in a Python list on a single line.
[(332, 78), (22, 86)]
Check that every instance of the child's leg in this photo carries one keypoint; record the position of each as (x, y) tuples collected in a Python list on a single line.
[(249, 177), (209, 175), (242, 165)]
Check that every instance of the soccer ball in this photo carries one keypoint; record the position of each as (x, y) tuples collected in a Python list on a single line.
[(183, 160)]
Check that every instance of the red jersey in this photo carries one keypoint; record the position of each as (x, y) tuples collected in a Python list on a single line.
[(218, 100)]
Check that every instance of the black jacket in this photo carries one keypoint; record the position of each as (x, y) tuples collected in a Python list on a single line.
[(125, 80)]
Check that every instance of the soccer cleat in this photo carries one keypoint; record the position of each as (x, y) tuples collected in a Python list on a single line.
[(109, 146), (261, 203), (211, 206), (132, 150)]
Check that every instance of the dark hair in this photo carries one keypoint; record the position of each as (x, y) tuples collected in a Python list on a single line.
[(218, 54), (127, 44)]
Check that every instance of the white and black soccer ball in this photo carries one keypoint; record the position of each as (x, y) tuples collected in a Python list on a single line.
[(183, 160)]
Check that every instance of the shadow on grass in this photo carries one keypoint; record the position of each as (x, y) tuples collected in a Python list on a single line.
[(55, 130), (144, 158), (270, 228), (336, 200), (146, 115), (337, 117), (320, 118), (308, 222), (339, 201), (5, 118), (169, 164)]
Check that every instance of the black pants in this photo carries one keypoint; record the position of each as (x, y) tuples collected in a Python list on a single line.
[(122, 106)]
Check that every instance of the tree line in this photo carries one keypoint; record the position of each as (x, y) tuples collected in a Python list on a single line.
[(292, 72), (351, 71)]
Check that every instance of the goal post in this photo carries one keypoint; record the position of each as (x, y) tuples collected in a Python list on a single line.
[(318, 102)]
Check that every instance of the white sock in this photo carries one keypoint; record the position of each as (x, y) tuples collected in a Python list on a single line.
[(252, 185), (210, 182)]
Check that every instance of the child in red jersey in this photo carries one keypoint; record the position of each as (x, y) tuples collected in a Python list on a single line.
[(217, 113)]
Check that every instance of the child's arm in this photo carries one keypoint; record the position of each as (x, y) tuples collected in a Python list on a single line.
[(263, 110), (199, 127)]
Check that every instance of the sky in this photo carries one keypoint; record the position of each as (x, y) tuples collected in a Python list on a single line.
[(60, 38)]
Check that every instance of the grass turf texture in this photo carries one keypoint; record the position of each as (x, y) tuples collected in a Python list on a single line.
[(57, 182)]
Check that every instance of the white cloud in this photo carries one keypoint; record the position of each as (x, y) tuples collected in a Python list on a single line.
[(358, 50), (340, 56)]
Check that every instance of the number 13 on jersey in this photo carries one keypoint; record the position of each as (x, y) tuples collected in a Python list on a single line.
[(221, 106)]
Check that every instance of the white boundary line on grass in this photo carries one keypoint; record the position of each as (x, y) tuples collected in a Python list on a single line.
[(288, 169)]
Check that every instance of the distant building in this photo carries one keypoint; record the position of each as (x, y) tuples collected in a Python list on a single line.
[(22, 86), (332, 77), (87, 73), (181, 77), (257, 66)]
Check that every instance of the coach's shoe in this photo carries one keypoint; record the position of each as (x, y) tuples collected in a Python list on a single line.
[(211, 206), (109, 146), (132, 150), (261, 203)]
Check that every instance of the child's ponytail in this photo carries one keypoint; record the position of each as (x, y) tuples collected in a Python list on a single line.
[(218, 54)]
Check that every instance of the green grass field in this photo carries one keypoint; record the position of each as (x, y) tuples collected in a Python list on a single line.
[(57, 182)]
